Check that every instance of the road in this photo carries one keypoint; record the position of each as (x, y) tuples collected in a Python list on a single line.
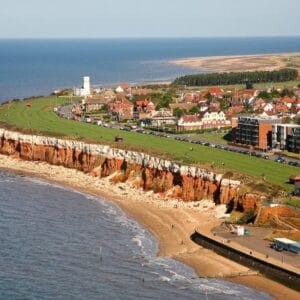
[(66, 112)]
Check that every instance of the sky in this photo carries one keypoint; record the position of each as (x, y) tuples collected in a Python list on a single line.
[(148, 18)]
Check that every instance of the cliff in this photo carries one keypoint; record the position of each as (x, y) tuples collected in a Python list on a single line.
[(188, 183)]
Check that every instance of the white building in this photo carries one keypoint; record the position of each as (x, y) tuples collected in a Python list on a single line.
[(85, 90), (205, 120)]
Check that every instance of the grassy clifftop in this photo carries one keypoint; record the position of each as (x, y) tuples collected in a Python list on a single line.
[(37, 116)]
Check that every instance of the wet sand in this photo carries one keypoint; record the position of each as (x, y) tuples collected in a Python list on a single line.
[(172, 222)]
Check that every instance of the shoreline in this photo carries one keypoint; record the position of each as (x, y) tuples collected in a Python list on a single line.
[(171, 226), (240, 63)]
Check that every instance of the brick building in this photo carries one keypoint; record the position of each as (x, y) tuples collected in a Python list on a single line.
[(254, 132)]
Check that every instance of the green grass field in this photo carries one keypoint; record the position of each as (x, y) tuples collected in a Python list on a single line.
[(217, 138), (40, 118)]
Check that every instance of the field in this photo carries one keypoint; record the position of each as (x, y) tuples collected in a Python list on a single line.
[(258, 86), (37, 116), (217, 138)]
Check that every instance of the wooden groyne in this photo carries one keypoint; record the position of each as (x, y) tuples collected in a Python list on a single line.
[(270, 270)]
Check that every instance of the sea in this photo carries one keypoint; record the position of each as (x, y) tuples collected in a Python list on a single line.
[(57, 243), (37, 67)]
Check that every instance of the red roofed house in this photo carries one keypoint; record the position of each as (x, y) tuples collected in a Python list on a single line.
[(287, 101), (189, 123), (206, 120), (142, 107), (281, 108), (121, 108), (215, 91)]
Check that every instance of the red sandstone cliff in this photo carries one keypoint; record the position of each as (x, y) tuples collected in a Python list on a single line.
[(150, 175)]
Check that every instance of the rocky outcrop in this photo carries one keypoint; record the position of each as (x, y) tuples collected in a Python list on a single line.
[(150, 173)]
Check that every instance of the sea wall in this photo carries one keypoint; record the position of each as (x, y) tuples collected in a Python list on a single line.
[(272, 271), (188, 183)]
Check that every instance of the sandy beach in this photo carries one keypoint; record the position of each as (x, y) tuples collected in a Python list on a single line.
[(240, 63), (172, 222)]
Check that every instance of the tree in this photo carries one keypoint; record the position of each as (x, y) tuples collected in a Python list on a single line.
[(194, 110), (177, 112), (208, 96), (287, 92), (264, 95), (275, 94), (237, 78), (164, 101), (249, 85), (224, 104)]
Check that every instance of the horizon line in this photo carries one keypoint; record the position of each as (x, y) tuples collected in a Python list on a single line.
[(148, 37)]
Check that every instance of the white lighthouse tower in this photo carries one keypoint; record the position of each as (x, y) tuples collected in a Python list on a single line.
[(86, 86), (85, 90)]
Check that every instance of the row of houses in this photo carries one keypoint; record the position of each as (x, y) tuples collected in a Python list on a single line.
[(203, 120)]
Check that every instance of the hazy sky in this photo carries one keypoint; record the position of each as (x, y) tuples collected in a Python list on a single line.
[(148, 18)]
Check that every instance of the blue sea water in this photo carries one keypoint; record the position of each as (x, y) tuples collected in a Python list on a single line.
[(37, 67), (50, 239)]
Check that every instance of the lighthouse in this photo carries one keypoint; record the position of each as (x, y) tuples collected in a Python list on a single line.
[(86, 86), (86, 89)]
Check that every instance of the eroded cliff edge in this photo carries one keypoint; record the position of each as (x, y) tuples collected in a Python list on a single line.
[(188, 183)]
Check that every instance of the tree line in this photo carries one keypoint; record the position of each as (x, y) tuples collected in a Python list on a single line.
[(237, 78)]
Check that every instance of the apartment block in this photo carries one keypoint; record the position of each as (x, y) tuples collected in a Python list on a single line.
[(255, 132)]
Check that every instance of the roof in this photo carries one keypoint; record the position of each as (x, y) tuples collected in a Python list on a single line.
[(287, 99), (190, 119), (286, 241), (214, 90), (124, 86), (142, 102), (247, 92)]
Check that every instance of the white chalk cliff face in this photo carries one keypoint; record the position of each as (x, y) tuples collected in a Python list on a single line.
[(131, 157), (189, 183)]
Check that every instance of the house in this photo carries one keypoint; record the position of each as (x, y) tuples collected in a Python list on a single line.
[(214, 119), (119, 90), (205, 120), (94, 103), (189, 123), (214, 105), (109, 95), (234, 110), (286, 101), (123, 88), (258, 104), (281, 108), (214, 91), (142, 107), (121, 108), (161, 118), (267, 107)]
